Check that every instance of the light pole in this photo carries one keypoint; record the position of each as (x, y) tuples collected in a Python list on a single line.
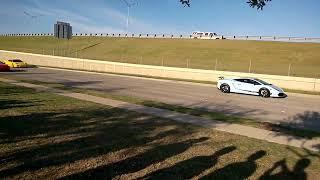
[(129, 5), (128, 16)]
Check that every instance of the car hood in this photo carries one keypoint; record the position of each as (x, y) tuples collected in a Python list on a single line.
[(276, 88)]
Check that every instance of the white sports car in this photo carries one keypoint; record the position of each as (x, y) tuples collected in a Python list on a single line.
[(251, 86)]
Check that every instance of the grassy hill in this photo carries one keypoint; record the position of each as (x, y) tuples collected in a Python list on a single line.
[(230, 55)]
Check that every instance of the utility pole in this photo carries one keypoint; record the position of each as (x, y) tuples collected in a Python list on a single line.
[(129, 5), (289, 69), (128, 16)]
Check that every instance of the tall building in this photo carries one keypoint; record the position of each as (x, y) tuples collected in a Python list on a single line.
[(62, 30)]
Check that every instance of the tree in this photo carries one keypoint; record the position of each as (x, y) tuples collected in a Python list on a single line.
[(259, 4)]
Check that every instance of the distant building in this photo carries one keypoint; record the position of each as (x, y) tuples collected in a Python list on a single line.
[(62, 30)]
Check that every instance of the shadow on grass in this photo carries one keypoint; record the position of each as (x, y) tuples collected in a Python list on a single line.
[(198, 112), (101, 131), (140, 161), (238, 170), (8, 104), (298, 171), (191, 167), (98, 132), (76, 86), (295, 128)]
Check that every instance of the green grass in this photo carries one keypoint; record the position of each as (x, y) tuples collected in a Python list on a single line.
[(186, 110), (267, 57), (49, 136)]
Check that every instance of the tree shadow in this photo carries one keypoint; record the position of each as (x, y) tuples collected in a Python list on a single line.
[(26, 126), (191, 167), (238, 170), (13, 90), (95, 132), (307, 119), (305, 126), (225, 108), (70, 84), (8, 104), (78, 85)]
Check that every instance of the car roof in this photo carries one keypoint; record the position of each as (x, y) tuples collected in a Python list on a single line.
[(235, 78), (245, 78), (238, 78)]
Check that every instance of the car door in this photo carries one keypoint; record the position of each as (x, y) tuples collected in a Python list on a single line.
[(11, 63), (247, 85), (256, 86), (238, 83)]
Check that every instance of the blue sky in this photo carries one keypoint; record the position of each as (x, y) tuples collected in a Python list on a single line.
[(227, 17)]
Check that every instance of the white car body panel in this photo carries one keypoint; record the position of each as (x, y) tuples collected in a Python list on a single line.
[(251, 86)]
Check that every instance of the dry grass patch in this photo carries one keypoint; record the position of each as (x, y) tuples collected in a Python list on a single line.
[(231, 55)]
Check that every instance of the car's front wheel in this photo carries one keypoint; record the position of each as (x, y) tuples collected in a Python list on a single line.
[(225, 88), (264, 93)]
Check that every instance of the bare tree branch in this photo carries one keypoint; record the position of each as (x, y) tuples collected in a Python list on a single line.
[(259, 4), (185, 2)]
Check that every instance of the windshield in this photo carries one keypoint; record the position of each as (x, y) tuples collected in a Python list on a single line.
[(262, 82), (16, 60)]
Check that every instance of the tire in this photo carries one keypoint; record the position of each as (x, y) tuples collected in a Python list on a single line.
[(225, 88), (265, 93)]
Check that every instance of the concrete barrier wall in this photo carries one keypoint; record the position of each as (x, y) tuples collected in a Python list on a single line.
[(288, 82)]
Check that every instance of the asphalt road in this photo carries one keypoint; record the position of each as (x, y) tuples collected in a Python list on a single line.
[(297, 110)]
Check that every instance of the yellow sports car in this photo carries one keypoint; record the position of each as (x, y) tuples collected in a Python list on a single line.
[(15, 63)]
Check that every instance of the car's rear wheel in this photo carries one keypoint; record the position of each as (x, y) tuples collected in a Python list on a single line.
[(264, 93), (225, 88)]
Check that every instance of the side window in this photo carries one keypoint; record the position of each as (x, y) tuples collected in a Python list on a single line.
[(246, 80), (240, 80), (255, 82), (250, 81)]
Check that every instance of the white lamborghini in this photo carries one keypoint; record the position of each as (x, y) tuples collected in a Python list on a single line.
[(251, 86)]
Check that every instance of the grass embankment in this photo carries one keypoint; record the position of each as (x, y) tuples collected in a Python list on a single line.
[(266, 57), (50, 136)]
